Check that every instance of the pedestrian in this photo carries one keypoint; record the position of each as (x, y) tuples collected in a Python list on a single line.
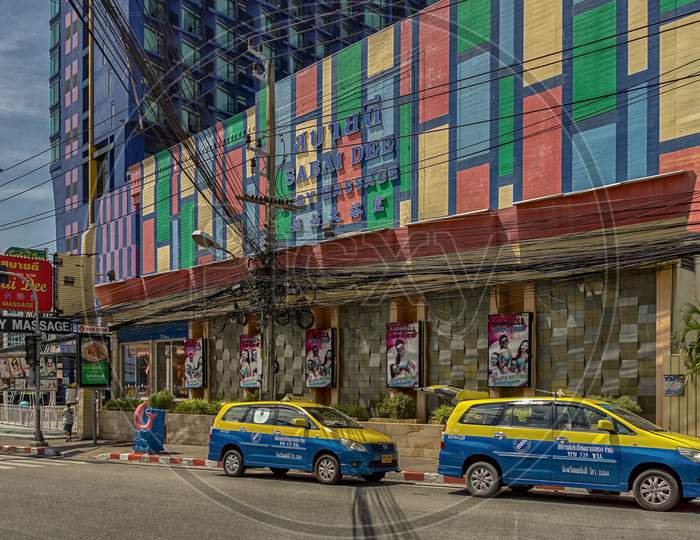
[(68, 415)]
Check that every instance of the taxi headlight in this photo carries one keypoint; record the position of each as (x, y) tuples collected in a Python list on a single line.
[(690, 453), (353, 445)]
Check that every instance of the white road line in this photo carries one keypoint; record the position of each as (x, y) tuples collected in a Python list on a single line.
[(3, 467), (29, 465)]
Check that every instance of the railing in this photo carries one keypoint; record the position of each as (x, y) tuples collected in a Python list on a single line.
[(51, 417)]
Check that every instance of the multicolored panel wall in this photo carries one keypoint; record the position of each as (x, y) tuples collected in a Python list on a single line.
[(466, 106), (116, 239)]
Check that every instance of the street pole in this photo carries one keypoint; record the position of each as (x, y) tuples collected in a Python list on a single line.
[(38, 435), (270, 220)]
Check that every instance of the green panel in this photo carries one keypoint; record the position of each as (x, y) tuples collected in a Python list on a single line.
[(262, 114), (347, 84), (670, 5), (234, 130), (162, 202), (506, 125), (405, 143), (187, 250), (594, 74), (473, 24), (283, 218)]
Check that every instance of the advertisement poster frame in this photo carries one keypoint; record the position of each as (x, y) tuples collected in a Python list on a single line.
[(408, 335), (510, 367), (323, 340), (82, 363), (250, 353), (197, 361)]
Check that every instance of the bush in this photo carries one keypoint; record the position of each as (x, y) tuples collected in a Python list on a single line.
[(441, 414), (162, 400), (253, 396), (401, 407), (122, 404), (192, 406), (624, 402), (354, 410)]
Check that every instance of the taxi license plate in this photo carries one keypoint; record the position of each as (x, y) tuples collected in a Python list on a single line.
[(387, 458)]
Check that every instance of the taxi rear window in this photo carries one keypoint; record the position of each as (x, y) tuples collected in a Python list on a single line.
[(236, 413), (482, 415)]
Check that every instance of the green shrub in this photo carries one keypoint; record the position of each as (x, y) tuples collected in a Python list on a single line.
[(162, 400), (122, 404), (253, 396), (400, 407), (354, 410), (192, 406), (441, 414), (215, 406), (624, 402)]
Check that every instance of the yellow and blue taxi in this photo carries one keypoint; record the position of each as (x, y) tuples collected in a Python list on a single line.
[(570, 442), (297, 435)]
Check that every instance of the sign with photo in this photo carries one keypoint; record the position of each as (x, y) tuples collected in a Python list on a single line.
[(249, 350), (195, 364), (674, 385), (510, 356), (404, 350), (319, 366), (94, 365)]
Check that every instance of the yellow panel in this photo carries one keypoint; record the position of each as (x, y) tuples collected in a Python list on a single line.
[(679, 104), (637, 16), (433, 185), (250, 128), (380, 51), (149, 182), (163, 259), (542, 35), (327, 97), (204, 213), (505, 196), (234, 244), (404, 213), (188, 168), (306, 157)]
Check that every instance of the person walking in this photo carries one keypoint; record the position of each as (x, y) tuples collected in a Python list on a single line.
[(68, 415)]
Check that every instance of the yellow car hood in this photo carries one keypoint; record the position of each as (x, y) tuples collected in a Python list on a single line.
[(680, 438), (362, 435)]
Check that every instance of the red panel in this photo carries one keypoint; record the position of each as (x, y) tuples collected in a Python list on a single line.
[(148, 249), (306, 85), (234, 178), (542, 144), (434, 61), (689, 160), (406, 56), (473, 189), (207, 258), (349, 173), (174, 179)]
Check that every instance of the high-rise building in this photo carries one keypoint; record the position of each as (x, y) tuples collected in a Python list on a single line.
[(198, 47)]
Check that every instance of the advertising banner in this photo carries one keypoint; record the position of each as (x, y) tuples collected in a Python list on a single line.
[(249, 360), (195, 364), (16, 374), (94, 365), (510, 355), (319, 369), (404, 350), (15, 295)]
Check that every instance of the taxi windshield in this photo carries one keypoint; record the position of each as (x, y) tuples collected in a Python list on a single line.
[(635, 420), (332, 418)]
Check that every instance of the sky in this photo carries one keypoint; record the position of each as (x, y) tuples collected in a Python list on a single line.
[(24, 121)]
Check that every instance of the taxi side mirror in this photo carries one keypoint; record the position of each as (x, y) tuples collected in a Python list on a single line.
[(300, 422), (606, 425)]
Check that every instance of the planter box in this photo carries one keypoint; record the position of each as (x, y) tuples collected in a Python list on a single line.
[(394, 420)]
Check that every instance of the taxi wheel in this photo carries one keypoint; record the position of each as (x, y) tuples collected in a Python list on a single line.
[(374, 477), (279, 471), (482, 480), (233, 463), (656, 490), (327, 470)]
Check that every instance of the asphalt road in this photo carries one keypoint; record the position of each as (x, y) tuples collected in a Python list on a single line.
[(50, 498)]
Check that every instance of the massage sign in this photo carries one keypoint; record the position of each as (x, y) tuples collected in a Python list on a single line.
[(16, 295), (346, 159)]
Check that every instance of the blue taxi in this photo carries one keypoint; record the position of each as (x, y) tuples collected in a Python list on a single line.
[(568, 441), (295, 435)]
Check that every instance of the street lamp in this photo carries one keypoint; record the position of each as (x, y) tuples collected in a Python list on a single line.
[(206, 240)]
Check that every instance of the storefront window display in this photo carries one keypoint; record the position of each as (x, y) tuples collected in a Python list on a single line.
[(136, 375), (141, 375)]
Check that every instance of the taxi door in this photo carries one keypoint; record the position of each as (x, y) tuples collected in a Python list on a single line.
[(288, 446), (581, 454), (521, 441), (256, 435)]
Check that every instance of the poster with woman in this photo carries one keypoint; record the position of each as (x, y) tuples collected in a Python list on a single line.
[(249, 357), (319, 365), (404, 348), (509, 349), (194, 363)]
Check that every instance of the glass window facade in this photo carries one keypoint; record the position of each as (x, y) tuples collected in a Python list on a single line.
[(225, 68), (55, 120), (54, 8), (190, 54), (54, 64), (224, 35), (224, 100), (136, 370), (152, 40), (191, 22), (53, 94), (227, 7), (54, 34), (190, 88)]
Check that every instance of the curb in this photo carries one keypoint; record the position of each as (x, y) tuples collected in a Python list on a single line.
[(154, 459), (30, 450)]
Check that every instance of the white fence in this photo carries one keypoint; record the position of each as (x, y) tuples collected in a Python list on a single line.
[(51, 417)]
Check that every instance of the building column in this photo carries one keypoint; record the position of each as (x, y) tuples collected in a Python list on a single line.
[(664, 305)]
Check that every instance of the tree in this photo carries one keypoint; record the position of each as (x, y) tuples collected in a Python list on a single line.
[(688, 339)]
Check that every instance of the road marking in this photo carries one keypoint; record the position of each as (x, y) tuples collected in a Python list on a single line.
[(29, 465), (3, 467)]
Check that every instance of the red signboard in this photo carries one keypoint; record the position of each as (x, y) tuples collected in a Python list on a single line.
[(16, 295)]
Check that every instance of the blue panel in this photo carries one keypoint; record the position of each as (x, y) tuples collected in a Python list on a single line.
[(178, 330), (283, 98), (473, 105), (637, 133), (506, 32), (384, 89), (593, 160)]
